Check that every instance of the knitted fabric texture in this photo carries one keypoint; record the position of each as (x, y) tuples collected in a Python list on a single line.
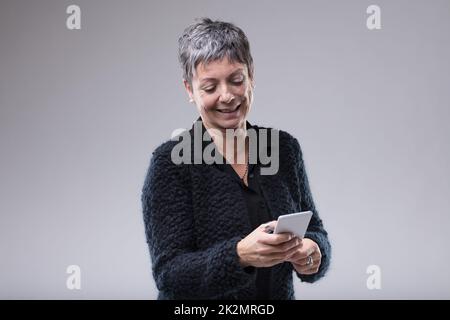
[(195, 214)]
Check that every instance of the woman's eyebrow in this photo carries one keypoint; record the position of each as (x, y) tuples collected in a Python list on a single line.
[(235, 72), (206, 80)]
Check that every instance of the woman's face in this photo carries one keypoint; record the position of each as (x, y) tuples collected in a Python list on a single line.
[(222, 92)]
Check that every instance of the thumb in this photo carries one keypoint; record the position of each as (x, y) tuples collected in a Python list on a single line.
[(269, 225)]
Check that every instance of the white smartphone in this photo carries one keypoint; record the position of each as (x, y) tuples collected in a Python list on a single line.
[(295, 223)]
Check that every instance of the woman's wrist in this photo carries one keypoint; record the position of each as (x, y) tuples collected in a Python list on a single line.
[(240, 253)]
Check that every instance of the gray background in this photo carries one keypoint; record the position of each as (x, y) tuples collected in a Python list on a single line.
[(81, 111)]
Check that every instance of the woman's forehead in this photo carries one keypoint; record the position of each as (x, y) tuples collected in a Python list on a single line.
[(219, 68)]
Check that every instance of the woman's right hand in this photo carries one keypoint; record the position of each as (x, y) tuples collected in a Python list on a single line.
[(262, 249)]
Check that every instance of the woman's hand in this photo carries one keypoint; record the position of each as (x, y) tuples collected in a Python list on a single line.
[(307, 258), (262, 249)]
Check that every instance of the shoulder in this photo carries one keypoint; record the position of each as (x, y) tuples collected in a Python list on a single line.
[(164, 150), (162, 167), (287, 143)]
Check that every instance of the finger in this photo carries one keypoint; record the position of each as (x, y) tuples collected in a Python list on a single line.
[(300, 255), (286, 246), (316, 256), (274, 239), (316, 261), (307, 251), (268, 226), (297, 256), (310, 250), (275, 261), (283, 251), (284, 255), (311, 269)]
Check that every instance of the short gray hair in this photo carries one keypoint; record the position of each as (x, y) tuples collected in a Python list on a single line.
[(207, 41)]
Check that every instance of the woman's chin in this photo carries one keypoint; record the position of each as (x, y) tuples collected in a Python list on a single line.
[(231, 123)]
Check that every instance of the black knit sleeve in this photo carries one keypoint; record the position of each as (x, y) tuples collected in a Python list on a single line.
[(179, 269), (316, 231)]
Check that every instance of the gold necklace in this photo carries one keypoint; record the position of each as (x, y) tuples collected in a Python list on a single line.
[(246, 167), (245, 173)]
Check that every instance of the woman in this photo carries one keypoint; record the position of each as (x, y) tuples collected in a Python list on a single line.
[(207, 222)]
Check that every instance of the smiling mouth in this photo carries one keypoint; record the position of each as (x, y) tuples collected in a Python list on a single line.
[(230, 111)]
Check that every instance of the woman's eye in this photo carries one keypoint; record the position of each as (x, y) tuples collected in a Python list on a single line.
[(209, 89), (238, 81)]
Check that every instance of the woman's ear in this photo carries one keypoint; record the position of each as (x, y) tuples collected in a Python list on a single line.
[(188, 88)]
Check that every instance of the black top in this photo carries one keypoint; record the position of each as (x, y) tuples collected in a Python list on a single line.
[(256, 207), (258, 214)]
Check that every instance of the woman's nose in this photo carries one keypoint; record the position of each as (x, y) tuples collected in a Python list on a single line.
[(226, 96)]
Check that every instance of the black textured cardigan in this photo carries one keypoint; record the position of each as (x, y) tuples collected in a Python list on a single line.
[(194, 215)]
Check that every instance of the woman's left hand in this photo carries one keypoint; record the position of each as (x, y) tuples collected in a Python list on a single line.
[(308, 257)]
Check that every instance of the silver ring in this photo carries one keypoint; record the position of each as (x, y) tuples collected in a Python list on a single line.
[(310, 261)]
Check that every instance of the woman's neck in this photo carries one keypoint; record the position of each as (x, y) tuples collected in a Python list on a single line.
[(229, 140)]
